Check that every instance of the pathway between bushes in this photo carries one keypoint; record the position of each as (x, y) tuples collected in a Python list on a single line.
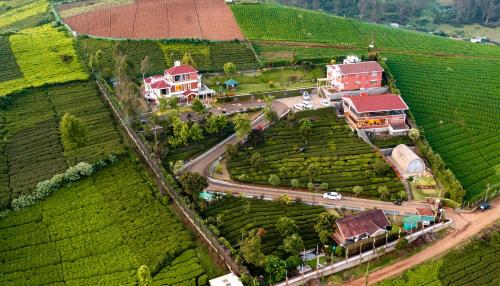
[(465, 225)]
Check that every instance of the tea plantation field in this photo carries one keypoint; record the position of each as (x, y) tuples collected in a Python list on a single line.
[(237, 215), (280, 23), (456, 102), (99, 231), (475, 264), (207, 56), (32, 151), (44, 55), (340, 158), (23, 16)]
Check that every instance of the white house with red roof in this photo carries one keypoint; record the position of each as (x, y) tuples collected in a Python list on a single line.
[(355, 75), (376, 113), (180, 81)]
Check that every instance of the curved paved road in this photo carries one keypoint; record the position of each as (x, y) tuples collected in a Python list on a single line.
[(203, 163)]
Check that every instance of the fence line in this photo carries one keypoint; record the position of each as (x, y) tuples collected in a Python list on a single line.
[(196, 222), (358, 259)]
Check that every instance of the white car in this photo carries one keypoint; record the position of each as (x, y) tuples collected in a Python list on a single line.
[(332, 196), (307, 105), (299, 106), (306, 95), (326, 102)]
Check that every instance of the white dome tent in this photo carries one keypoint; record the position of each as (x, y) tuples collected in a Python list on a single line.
[(408, 163)]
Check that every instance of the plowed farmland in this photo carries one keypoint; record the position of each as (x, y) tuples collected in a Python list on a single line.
[(202, 19)]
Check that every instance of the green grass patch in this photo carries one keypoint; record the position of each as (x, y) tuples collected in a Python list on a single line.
[(390, 142), (343, 160)]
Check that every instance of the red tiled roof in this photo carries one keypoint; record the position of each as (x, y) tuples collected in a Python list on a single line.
[(188, 92), (161, 84), (182, 69), (425, 212), (369, 221), (362, 67), (149, 79), (378, 102)]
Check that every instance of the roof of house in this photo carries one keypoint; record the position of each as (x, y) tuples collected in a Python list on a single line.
[(188, 92), (369, 221), (378, 102), (411, 219), (151, 78), (226, 280), (161, 84), (425, 212), (362, 67), (231, 82), (182, 69)]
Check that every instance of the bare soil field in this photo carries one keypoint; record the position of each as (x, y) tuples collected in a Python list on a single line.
[(159, 19)]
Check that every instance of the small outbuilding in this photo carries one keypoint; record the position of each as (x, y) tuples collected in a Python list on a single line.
[(231, 83), (407, 162), (226, 280), (426, 216), (411, 222)]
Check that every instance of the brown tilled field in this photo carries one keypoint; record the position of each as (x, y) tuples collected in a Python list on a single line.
[(160, 19)]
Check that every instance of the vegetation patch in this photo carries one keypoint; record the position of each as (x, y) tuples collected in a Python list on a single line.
[(99, 230), (9, 69), (32, 149), (329, 154), (45, 55), (233, 216), (475, 264), (17, 17), (462, 128)]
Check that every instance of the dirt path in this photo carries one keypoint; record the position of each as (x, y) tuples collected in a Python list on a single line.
[(465, 226)]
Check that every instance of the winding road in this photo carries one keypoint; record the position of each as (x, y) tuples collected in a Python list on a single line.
[(465, 225)]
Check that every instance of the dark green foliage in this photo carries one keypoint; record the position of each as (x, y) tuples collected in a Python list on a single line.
[(9, 69), (390, 142), (73, 132), (333, 155), (237, 215), (193, 183)]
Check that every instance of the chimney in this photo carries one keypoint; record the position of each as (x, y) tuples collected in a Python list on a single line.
[(177, 63)]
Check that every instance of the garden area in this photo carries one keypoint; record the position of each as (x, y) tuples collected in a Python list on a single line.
[(101, 230), (423, 187), (313, 149), (301, 76)]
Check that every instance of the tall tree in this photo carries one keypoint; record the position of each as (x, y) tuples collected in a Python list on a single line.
[(229, 68), (73, 131), (275, 267), (144, 276), (145, 66), (286, 226), (180, 134), (305, 129), (198, 106), (251, 249), (242, 125), (216, 123), (196, 133), (325, 226), (293, 244), (187, 59), (193, 184), (256, 160)]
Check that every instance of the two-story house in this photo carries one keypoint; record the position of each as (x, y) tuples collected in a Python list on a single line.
[(376, 113), (180, 81), (355, 76)]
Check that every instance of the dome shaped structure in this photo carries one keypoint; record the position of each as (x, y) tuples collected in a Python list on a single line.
[(407, 161)]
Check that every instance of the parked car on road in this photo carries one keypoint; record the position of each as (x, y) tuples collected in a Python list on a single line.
[(484, 207), (332, 196), (307, 105), (306, 96), (326, 102), (298, 106)]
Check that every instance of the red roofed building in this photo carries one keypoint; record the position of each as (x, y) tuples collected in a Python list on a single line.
[(376, 113), (354, 76), (362, 225), (180, 81)]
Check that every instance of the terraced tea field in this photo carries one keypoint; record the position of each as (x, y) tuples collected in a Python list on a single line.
[(98, 231), (340, 158), (239, 215), (456, 102), (44, 55), (32, 150)]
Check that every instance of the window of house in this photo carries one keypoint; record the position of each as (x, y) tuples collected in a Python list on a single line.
[(374, 74), (373, 82), (177, 78), (178, 88)]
